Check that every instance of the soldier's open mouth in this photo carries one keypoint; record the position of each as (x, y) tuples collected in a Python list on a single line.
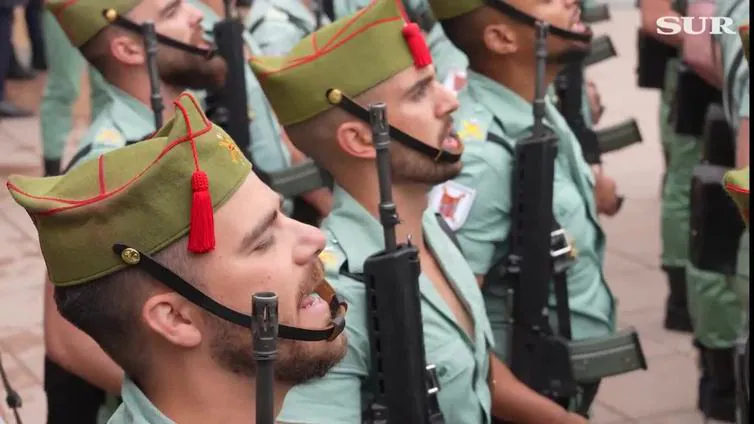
[(451, 143), (311, 301)]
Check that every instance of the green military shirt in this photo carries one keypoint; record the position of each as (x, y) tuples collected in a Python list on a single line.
[(448, 60), (123, 119), (62, 88), (477, 204), (462, 362), (278, 25), (136, 408)]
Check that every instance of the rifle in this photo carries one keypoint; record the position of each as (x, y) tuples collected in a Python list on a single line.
[(539, 358), (404, 387), (12, 398), (230, 102), (230, 110), (264, 332), (150, 44)]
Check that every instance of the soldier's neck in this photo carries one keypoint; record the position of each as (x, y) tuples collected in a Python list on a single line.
[(517, 76), (210, 397), (139, 88), (410, 200)]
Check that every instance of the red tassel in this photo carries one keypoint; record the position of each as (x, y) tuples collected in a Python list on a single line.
[(202, 227), (417, 45)]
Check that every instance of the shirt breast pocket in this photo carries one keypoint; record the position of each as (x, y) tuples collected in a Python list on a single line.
[(567, 200)]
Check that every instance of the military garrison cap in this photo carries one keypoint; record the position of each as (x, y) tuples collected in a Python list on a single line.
[(355, 53), (81, 20), (147, 195), (449, 9)]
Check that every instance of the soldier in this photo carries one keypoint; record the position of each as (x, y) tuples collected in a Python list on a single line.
[(391, 64), (165, 302), (65, 65), (278, 25), (682, 152), (497, 104), (118, 55)]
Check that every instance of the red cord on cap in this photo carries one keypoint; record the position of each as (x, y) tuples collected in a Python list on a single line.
[(202, 227), (417, 45)]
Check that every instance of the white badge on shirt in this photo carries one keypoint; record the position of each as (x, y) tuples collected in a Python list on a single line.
[(453, 201), (455, 81)]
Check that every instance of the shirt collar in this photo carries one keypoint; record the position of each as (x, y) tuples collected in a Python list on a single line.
[(133, 116)]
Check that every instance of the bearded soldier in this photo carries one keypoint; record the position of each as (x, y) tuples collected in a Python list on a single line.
[(155, 252)]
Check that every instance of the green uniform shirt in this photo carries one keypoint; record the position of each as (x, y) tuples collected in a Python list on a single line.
[(136, 408), (123, 119), (447, 58), (462, 362), (481, 209), (278, 25), (62, 88)]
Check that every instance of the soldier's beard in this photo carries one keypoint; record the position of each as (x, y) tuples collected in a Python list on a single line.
[(410, 166), (190, 71), (297, 361)]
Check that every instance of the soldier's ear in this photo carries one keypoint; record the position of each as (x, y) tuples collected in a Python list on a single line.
[(127, 50), (355, 138), (173, 318), (500, 39)]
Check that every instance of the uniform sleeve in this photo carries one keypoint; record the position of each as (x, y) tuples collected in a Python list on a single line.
[(336, 398), (62, 88), (487, 225)]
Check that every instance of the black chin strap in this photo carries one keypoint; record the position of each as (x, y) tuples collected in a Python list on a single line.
[(503, 7), (167, 277), (114, 18), (338, 98)]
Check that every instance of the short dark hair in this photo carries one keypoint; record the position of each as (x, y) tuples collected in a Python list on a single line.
[(466, 32), (108, 309)]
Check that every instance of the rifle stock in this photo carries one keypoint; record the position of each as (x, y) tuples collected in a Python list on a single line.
[(400, 375)]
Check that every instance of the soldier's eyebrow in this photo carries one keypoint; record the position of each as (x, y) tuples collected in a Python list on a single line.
[(248, 240), (419, 85), (165, 11)]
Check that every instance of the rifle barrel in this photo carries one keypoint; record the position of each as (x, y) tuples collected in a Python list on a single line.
[(150, 44), (381, 135), (539, 89), (264, 329)]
